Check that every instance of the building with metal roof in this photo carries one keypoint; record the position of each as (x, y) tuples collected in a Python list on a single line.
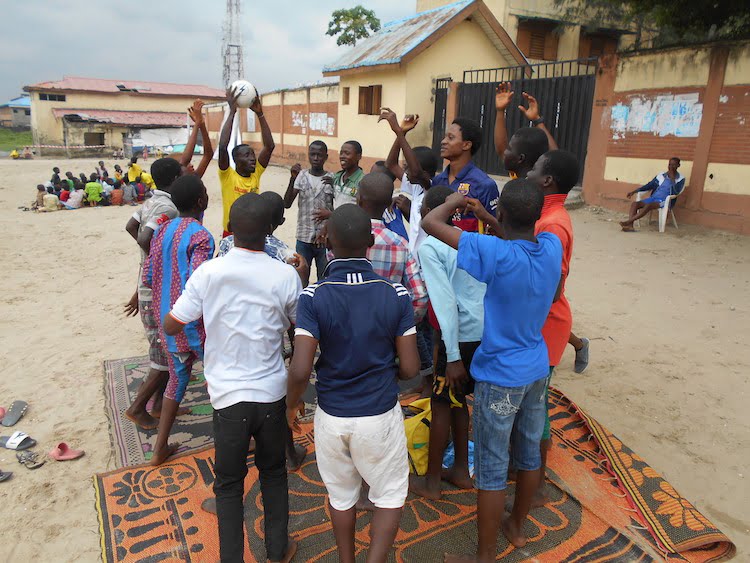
[(96, 112), (398, 67), (16, 113)]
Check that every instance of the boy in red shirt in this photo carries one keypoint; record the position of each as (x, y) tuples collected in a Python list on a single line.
[(555, 172)]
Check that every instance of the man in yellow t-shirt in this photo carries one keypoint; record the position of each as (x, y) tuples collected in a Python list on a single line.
[(134, 171), (245, 176), (148, 180)]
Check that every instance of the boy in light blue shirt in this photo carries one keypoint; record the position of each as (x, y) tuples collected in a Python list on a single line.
[(511, 365), (457, 302)]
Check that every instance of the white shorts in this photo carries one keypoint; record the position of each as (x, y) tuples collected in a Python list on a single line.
[(372, 448)]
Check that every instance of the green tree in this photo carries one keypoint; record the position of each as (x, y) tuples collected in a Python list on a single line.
[(352, 24), (672, 21)]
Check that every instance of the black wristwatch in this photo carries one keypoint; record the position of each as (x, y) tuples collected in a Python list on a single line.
[(536, 122)]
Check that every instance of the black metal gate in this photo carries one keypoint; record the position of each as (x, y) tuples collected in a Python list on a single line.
[(564, 90), (441, 103)]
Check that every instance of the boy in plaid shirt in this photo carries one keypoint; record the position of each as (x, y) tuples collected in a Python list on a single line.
[(390, 256), (315, 195)]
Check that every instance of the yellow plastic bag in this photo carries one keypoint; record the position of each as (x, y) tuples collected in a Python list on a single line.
[(417, 430)]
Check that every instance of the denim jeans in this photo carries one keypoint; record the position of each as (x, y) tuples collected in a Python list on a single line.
[(233, 427), (507, 418), (424, 343), (309, 251)]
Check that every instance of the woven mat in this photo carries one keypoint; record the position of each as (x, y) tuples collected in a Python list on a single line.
[(153, 514)]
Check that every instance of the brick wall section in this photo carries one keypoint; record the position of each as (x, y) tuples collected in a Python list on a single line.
[(731, 139), (291, 125), (651, 145)]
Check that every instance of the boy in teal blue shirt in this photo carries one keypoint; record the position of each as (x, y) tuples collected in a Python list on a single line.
[(511, 365)]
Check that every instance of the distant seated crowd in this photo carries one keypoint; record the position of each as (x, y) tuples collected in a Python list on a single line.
[(96, 189)]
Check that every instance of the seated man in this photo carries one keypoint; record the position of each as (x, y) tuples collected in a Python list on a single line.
[(661, 187)]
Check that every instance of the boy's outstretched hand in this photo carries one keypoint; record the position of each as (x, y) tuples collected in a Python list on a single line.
[(232, 97), (409, 122), (532, 112), (503, 96), (457, 201), (295, 170), (301, 265), (257, 106), (387, 114), (196, 112), (475, 206)]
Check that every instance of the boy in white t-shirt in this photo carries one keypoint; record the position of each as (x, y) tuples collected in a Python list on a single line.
[(247, 301)]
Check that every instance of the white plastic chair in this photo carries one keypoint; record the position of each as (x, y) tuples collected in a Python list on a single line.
[(665, 210)]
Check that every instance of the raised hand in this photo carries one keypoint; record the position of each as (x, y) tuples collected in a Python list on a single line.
[(295, 170), (232, 97), (456, 201), (503, 96), (532, 112), (475, 206), (409, 122), (196, 112), (387, 114), (257, 106)]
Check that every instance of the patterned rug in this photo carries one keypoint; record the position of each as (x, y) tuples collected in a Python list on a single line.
[(606, 504), (132, 445)]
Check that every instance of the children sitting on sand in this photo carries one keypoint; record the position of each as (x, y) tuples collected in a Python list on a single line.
[(93, 191), (245, 372), (510, 366), (178, 247), (359, 432)]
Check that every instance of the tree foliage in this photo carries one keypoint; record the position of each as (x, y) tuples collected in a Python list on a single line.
[(352, 24), (671, 21)]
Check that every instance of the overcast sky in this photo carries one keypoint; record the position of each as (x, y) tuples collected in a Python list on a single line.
[(169, 40)]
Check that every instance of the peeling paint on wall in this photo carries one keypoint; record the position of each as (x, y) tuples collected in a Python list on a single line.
[(678, 115)]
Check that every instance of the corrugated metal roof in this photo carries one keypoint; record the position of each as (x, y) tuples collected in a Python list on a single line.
[(20, 102), (82, 84), (127, 118), (395, 39)]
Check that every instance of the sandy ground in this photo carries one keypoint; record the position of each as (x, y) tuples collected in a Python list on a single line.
[(667, 315)]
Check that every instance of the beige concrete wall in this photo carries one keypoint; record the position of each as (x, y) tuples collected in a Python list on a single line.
[(738, 66), (666, 69), (48, 129), (376, 138), (466, 47), (727, 178), (640, 170)]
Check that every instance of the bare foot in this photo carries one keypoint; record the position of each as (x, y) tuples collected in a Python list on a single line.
[(162, 456), (180, 412), (294, 462), (458, 477), (540, 497), (513, 533), (291, 550), (142, 420), (420, 487), (209, 505)]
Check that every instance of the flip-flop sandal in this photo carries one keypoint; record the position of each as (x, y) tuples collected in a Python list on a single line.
[(30, 460), (17, 441), (5, 475), (63, 452), (14, 413)]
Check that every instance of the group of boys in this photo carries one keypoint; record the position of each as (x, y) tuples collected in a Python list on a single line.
[(491, 265)]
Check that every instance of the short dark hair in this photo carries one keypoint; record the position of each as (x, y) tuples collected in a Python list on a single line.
[(677, 158), (277, 206), (94, 177), (563, 167), (521, 200), (56, 170), (250, 218), (134, 160), (470, 131), (436, 196), (428, 160), (241, 146), (50, 190), (355, 145), (531, 142), (351, 226), (376, 189), (319, 143), (41, 187), (186, 191), (384, 169), (165, 171)]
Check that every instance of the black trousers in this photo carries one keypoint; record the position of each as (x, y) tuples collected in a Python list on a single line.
[(233, 428)]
